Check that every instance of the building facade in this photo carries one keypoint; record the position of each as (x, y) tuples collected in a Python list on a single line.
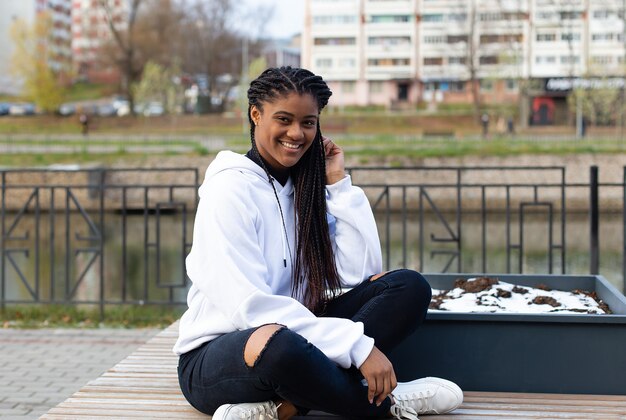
[(394, 52), (90, 32), (58, 42)]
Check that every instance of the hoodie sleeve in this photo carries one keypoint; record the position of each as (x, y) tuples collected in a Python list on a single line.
[(227, 265), (357, 246)]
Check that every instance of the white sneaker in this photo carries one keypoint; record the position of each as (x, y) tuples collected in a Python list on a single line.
[(425, 396), (266, 410)]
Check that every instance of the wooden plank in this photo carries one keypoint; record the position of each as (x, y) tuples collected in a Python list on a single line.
[(535, 396), (145, 385)]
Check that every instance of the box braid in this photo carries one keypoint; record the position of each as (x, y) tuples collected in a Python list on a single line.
[(315, 273)]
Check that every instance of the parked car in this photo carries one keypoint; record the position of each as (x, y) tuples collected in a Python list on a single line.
[(4, 108), (22, 109), (106, 110), (122, 107), (67, 109), (153, 109)]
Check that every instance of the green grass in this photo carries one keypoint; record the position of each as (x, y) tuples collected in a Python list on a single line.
[(83, 91), (356, 146), (53, 316)]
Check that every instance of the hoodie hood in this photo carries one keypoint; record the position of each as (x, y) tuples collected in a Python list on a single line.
[(227, 160), (231, 160)]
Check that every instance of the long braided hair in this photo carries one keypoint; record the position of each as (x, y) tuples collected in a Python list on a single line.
[(315, 272)]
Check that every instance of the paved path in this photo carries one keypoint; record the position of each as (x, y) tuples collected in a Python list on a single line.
[(41, 368)]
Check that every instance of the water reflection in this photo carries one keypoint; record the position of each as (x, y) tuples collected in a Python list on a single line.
[(146, 264)]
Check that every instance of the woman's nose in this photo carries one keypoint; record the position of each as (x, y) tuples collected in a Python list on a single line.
[(295, 132)]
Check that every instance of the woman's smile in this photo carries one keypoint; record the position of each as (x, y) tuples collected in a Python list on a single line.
[(290, 146)]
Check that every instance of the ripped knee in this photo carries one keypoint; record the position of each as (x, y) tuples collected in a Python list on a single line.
[(257, 342), (377, 276)]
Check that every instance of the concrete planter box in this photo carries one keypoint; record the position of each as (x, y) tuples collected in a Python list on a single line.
[(553, 353)]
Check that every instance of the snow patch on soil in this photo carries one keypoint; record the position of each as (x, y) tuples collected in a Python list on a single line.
[(489, 295)]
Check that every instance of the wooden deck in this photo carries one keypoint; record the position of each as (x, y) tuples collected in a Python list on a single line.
[(145, 385)]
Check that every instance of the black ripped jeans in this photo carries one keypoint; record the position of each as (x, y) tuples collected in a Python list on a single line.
[(293, 369)]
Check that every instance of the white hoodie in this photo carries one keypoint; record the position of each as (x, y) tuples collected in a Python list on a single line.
[(237, 261)]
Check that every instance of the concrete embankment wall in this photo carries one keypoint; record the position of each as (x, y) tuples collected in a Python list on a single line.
[(126, 188)]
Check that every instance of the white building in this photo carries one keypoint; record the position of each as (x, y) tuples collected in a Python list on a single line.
[(391, 52), (58, 42)]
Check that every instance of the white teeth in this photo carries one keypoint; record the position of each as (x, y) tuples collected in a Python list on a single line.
[(289, 145)]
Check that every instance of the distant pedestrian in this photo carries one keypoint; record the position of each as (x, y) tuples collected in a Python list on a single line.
[(484, 120), (84, 123), (510, 127)]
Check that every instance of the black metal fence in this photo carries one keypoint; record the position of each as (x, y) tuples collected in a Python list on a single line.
[(120, 236)]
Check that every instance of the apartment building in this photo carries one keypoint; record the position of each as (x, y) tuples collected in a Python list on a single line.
[(91, 31), (58, 41), (392, 52)]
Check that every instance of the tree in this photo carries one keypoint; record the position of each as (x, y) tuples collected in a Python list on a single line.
[(125, 55), (31, 62), (214, 46), (157, 85), (472, 58)]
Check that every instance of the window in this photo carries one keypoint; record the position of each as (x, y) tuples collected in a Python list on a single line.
[(546, 37), (543, 15), (389, 40), (457, 17), (602, 59), (456, 86), (432, 17), (500, 38), (569, 36), (570, 59), (434, 39), (335, 41), (389, 18), (457, 61), (490, 17), (347, 62), (453, 39), (348, 86), (486, 85), (376, 86), (433, 61), (569, 15), (388, 62), (324, 63), (602, 14), (334, 20), (604, 37), (511, 85), (488, 59), (545, 59)]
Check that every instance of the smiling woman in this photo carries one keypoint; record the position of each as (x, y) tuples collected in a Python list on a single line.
[(278, 233)]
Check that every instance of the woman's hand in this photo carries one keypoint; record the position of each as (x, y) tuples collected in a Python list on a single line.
[(335, 167), (378, 372)]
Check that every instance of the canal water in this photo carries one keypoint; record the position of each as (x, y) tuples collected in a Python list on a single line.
[(143, 257)]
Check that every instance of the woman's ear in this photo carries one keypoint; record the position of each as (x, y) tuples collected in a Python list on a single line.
[(255, 114)]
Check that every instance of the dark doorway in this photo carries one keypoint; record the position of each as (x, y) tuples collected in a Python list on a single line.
[(403, 91)]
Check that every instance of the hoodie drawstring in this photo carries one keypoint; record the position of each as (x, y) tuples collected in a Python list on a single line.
[(284, 237)]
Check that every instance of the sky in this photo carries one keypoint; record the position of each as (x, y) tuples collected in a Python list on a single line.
[(287, 19)]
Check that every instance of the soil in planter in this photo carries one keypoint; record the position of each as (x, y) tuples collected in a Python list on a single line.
[(487, 294)]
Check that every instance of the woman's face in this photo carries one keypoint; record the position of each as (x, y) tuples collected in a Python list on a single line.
[(285, 129)]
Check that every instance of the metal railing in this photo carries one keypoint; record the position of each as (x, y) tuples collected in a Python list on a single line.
[(119, 236)]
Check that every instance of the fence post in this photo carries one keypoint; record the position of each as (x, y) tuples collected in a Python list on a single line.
[(594, 222)]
